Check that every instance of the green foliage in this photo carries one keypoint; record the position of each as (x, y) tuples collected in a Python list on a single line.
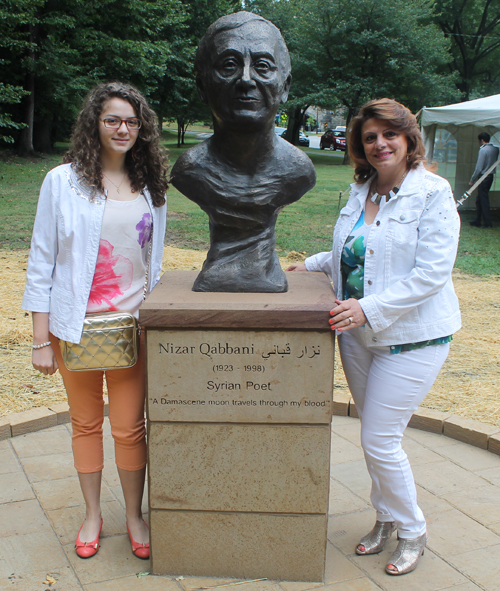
[(69, 45), (383, 48), (473, 27), (202, 13), (374, 48), (9, 95)]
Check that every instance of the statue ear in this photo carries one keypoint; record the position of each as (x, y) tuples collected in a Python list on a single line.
[(201, 90), (286, 89)]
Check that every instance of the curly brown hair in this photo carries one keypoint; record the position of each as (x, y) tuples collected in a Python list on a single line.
[(399, 118), (146, 162)]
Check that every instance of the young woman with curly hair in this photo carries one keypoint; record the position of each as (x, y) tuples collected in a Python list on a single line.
[(97, 246)]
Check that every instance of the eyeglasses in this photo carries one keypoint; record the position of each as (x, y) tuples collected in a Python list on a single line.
[(116, 123)]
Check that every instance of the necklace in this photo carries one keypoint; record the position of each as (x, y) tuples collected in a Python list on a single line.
[(117, 186), (375, 198)]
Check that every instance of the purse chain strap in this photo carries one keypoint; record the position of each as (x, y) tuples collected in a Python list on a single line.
[(148, 266)]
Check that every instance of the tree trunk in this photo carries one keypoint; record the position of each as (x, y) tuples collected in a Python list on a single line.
[(43, 136), (181, 130), (179, 133), (294, 120), (465, 85), (351, 112), (25, 145), (25, 142)]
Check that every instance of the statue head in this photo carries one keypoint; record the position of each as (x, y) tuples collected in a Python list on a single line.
[(243, 71)]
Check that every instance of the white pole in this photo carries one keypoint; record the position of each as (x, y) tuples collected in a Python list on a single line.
[(467, 194)]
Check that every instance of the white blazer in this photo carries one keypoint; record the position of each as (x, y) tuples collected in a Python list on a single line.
[(410, 253), (64, 249)]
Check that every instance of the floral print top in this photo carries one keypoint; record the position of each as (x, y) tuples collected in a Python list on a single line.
[(353, 259), (353, 268), (122, 260)]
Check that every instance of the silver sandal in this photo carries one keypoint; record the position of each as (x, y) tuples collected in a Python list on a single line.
[(375, 541), (406, 556)]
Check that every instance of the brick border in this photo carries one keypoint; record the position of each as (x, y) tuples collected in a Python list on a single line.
[(469, 431), (36, 419)]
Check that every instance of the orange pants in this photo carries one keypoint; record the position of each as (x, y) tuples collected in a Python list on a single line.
[(126, 392)]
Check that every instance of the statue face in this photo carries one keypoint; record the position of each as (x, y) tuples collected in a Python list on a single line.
[(244, 86)]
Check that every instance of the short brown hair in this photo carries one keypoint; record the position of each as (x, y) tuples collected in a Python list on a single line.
[(399, 118), (234, 21)]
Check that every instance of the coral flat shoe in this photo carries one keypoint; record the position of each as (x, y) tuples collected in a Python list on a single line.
[(87, 549), (138, 549)]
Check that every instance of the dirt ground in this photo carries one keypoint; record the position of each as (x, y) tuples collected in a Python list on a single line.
[(468, 385)]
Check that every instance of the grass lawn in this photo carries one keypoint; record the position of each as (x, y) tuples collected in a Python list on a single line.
[(196, 127), (305, 226), (20, 181)]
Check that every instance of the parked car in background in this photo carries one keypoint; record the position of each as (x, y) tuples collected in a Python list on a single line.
[(303, 139), (333, 139)]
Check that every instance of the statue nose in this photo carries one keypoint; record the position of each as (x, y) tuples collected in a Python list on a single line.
[(246, 76)]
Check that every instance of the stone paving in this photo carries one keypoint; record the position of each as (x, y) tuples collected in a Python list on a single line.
[(41, 509)]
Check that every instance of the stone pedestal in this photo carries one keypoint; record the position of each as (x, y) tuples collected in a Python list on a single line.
[(239, 399)]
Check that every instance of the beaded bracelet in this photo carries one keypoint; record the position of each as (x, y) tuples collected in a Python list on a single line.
[(42, 345)]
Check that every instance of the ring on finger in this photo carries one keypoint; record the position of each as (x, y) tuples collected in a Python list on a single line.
[(351, 319)]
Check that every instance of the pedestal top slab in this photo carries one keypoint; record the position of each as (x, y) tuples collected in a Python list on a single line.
[(173, 304)]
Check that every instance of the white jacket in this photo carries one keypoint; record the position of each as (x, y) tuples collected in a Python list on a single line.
[(410, 253), (64, 249)]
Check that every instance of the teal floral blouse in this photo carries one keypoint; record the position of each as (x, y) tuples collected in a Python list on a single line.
[(353, 259)]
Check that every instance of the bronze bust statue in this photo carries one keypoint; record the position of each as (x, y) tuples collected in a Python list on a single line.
[(244, 174)]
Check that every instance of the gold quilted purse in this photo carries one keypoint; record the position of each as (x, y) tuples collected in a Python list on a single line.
[(109, 340)]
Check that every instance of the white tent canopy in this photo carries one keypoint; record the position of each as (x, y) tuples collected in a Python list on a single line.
[(464, 121), (483, 112)]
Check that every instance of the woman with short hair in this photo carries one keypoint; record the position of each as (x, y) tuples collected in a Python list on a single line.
[(394, 247)]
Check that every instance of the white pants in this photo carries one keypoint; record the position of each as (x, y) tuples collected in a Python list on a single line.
[(387, 389)]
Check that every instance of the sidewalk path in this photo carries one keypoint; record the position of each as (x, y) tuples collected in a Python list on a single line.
[(41, 509)]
